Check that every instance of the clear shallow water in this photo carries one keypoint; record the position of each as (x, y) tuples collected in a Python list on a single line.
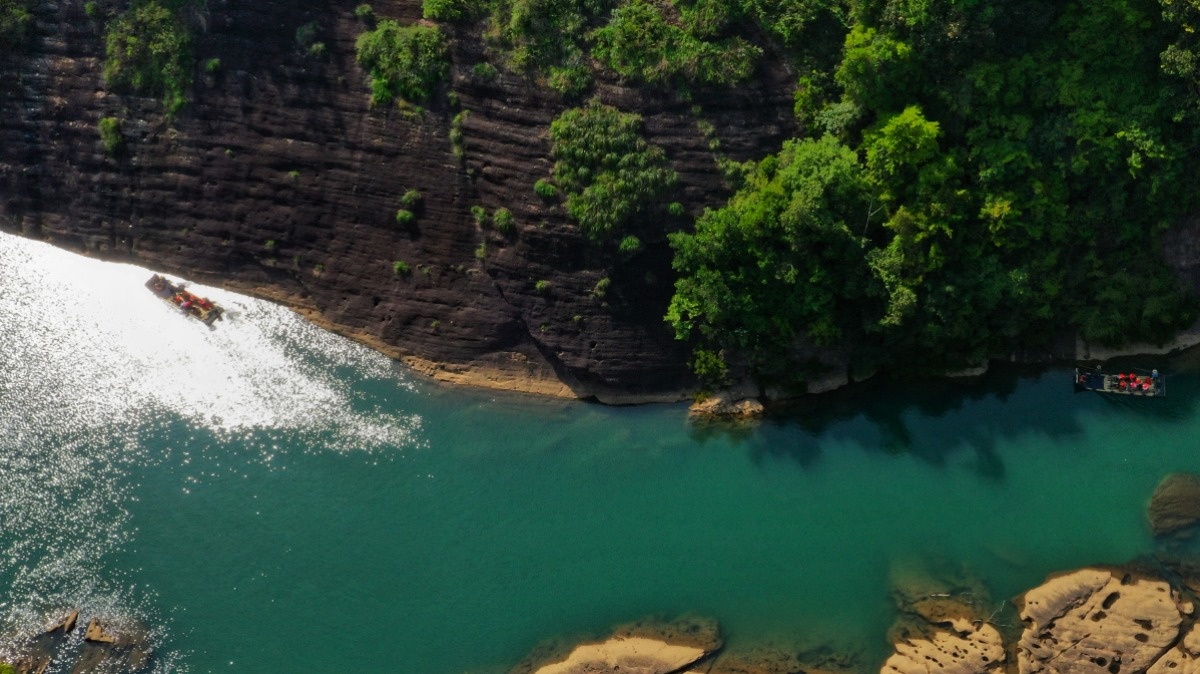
[(272, 498)]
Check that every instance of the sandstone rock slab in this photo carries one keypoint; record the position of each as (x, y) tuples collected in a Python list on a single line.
[(627, 655), (1183, 659), (1096, 620), (966, 648)]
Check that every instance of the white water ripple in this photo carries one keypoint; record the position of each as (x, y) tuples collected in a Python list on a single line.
[(89, 362)]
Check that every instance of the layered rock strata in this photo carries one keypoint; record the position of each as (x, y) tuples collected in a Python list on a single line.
[(280, 180)]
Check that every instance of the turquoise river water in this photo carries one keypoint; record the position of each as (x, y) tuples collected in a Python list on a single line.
[(273, 498)]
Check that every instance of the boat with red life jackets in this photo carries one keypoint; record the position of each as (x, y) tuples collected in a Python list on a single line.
[(1133, 382), (200, 308)]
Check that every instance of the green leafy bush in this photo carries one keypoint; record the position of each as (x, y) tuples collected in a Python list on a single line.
[(605, 167), (110, 135), (149, 49), (400, 268), (446, 10), (92, 9), (479, 213), (548, 37), (630, 245), (15, 22), (405, 217), (405, 62), (484, 71), (456, 134), (640, 44), (542, 287), (411, 199), (364, 12), (212, 65), (307, 35), (502, 220), (545, 189), (600, 291)]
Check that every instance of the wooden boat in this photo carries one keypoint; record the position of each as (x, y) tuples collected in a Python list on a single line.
[(1134, 383), (195, 306)]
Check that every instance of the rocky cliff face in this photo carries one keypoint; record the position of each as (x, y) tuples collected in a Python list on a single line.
[(281, 181)]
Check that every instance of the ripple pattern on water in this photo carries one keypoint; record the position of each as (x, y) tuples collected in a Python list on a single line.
[(109, 366)]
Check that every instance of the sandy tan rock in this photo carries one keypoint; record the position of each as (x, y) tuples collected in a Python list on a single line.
[(965, 648), (66, 624), (95, 632), (725, 406), (1183, 659), (1096, 619), (627, 655)]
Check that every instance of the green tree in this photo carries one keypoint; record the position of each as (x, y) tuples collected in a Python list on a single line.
[(405, 62), (781, 261), (606, 169), (148, 48), (15, 23)]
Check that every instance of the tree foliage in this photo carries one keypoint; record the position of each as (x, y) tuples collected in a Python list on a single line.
[(639, 43), (148, 48), (605, 167), (405, 62), (1014, 166), (15, 23)]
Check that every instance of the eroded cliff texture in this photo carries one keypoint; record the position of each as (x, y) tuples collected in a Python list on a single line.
[(281, 180)]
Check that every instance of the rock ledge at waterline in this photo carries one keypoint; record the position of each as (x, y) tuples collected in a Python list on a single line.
[(1090, 621)]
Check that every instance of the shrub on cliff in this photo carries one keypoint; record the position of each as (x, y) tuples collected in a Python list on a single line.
[(149, 49), (15, 21), (605, 167), (405, 62), (640, 44), (446, 10), (548, 37), (110, 135)]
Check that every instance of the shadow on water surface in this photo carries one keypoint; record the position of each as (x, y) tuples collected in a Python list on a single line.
[(935, 419)]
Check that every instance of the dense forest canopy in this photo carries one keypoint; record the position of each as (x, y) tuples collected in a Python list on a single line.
[(973, 176)]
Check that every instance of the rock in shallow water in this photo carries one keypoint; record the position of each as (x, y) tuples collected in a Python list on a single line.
[(1175, 504), (965, 648), (1096, 620), (646, 647), (627, 655)]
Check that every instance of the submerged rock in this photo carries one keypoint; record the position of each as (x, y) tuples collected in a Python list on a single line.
[(939, 628), (1097, 619), (1175, 504)]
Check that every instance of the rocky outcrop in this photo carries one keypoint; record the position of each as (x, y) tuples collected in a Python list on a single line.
[(1175, 504), (95, 633), (964, 647), (645, 647), (113, 644), (939, 628), (1098, 619), (1184, 658), (726, 405), (280, 180), (628, 655)]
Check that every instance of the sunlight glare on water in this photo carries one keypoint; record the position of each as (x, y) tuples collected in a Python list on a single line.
[(107, 362)]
